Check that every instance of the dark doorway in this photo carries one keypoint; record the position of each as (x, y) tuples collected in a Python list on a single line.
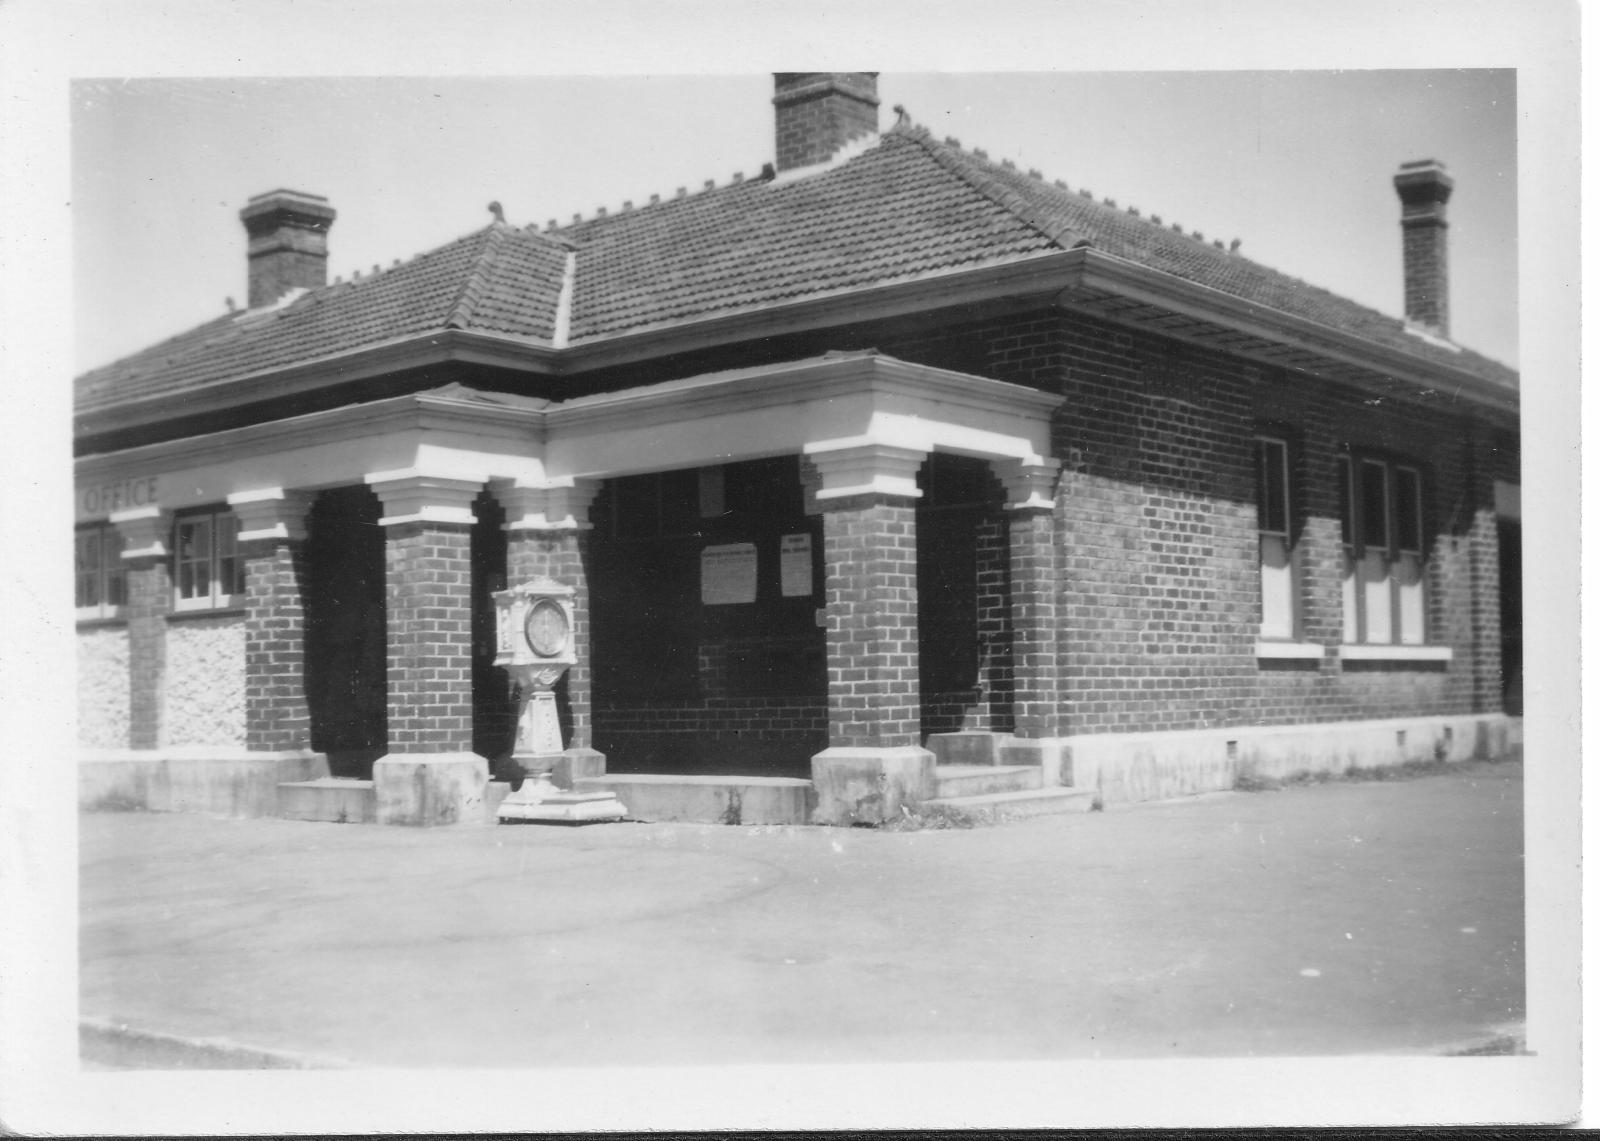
[(346, 651), (494, 721), (959, 495)]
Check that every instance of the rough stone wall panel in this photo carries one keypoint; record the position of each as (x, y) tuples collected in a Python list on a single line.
[(205, 682), (103, 693)]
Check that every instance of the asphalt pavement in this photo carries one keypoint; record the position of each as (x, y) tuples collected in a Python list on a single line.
[(1335, 919)]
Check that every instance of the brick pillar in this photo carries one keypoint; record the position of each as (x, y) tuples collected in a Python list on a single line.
[(874, 762), (272, 543), (1483, 555), (145, 532), (1036, 700), (547, 535), (430, 775)]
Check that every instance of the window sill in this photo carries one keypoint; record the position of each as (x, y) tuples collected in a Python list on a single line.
[(189, 613), (1279, 651), (90, 619), (1396, 653)]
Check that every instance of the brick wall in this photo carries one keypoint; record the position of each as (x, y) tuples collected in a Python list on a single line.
[(276, 715), (1156, 520), (869, 545), (149, 600), (429, 637)]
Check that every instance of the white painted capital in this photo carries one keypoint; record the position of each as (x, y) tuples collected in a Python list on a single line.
[(865, 467), (271, 513), (1030, 484), (557, 505), (144, 532), (411, 496)]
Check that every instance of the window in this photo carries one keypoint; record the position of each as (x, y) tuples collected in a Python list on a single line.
[(207, 566), (1272, 522), (101, 584), (1383, 586)]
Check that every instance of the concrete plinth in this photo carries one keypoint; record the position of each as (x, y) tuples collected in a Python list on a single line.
[(1050, 754), (869, 786), (539, 801), (708, 799), (430, 788), (215, 781), (966, 747)]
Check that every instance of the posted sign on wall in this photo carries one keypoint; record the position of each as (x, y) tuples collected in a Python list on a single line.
[(794, 563), (728, 574)]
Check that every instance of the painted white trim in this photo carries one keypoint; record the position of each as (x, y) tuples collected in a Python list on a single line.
[(1290, 650), (562, 332), (855, 148), (1376, 653)]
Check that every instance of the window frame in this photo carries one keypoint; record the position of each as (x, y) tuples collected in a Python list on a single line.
[(1263, 436), (219, 520), (110, 578), (1357, 543)]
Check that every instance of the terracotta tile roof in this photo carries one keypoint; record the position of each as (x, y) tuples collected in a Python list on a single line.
[(1115, 231), (905, 207), (499, 278)]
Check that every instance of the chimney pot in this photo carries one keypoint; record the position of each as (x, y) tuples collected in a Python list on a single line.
[(1424, 188), (818, 112), (287, 243)]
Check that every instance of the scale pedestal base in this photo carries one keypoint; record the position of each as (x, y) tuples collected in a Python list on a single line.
[(540, 802)]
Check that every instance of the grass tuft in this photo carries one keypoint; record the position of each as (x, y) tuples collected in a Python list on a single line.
[(934, 818)]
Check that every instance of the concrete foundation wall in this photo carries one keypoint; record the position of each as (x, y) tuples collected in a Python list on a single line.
[(1124, 768), (224, 782), (205, 682), (103, 696)]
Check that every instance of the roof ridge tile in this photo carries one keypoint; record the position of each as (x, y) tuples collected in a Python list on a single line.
[(476, 280), (1059, 234)]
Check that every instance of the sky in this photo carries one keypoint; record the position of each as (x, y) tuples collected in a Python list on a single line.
[(1296, 163)]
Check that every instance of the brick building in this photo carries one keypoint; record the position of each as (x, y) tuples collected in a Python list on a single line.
[(890, 475)]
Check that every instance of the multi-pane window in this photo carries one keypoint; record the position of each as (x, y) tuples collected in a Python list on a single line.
[(1383, 581), (1272, 522), (206, 565), (101, 583)]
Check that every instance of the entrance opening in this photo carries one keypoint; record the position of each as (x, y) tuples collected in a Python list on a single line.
[(494, 720), (963, 597), (346, 653), (704, 589)]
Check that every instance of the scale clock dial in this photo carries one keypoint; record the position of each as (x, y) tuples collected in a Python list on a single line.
[(546, 627)]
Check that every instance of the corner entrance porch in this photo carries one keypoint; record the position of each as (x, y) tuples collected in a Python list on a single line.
[(751, 595)]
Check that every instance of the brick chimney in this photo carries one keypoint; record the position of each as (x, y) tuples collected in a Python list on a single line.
[(1424, 188), (820, 111), (288, 243)]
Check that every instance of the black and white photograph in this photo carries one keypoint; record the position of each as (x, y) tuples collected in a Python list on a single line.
[(628, 588)]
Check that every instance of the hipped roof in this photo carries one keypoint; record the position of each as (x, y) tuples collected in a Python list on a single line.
[(905, 207)]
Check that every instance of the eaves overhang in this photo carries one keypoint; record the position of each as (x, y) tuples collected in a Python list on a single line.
[(1271, 335), (1082, 279), (368, 362)]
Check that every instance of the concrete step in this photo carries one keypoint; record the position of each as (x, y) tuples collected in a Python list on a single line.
[(1030, 802), (333, 799), (707, 799), (979, 780)]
